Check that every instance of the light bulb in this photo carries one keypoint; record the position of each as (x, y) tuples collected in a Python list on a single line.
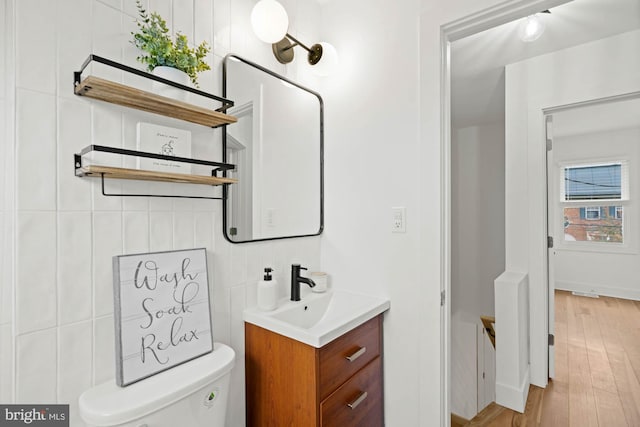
[(531, 28), (329, 61), (269, 21)]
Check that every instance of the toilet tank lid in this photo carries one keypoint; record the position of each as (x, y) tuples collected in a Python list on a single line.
[(107, 404)]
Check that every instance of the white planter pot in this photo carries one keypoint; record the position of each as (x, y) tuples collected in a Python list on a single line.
[(174, 75)]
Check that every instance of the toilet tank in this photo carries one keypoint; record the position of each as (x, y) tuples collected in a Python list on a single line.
[(189, 395)]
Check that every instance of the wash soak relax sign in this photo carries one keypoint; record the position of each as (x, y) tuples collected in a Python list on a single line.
[(162, 315)]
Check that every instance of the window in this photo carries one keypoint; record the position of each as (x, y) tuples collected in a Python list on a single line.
[(596, 182), (584, 188), (592, 212)]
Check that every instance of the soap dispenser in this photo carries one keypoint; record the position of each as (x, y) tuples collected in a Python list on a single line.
[(267, 292)]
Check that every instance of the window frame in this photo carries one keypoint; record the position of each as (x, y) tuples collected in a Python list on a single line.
[(628, 244)]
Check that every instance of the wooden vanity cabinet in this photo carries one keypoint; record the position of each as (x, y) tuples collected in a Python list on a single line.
[(289, 383)]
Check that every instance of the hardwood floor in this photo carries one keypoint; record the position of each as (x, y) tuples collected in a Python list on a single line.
[(597, 369)]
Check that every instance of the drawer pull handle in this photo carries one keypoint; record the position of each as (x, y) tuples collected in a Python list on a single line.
[(357, 354), (358, 401)]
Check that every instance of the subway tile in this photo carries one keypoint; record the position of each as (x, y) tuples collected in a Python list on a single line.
[(130, 9), (107, 242), (36, 271), (160, 231), (108, 39), (74, 361), (203, 230), (36, 151), (73, 46), (183, 230), (136, 232), (238, 301), (36, 367), (221, 315), (160, 204), (116, 4), (106, 130), (183, 20), (74, 133), (241, 31), (74, 267), (203, 24), (163, 7), (104, 364), (7, 266), (238, 268), (6, 361), (35, 32), (3, 46)]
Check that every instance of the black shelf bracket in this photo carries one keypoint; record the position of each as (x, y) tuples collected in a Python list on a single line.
[(77, 78), (217, 167)]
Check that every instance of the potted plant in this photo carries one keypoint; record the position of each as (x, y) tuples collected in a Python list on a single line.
[(159, 50)]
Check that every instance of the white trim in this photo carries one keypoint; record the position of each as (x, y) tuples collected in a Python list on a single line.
[(590, 288), (511, 397)]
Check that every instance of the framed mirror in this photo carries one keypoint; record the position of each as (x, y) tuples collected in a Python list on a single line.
[(277, 147)]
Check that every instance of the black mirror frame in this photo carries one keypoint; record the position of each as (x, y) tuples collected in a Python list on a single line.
[(225, 190)]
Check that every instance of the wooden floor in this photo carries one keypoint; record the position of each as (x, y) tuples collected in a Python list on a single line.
[(597, 369)]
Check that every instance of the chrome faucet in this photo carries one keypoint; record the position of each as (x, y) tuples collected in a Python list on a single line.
[(296, 279)]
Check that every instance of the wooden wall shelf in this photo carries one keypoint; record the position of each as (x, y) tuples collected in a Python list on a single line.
[(144, 175), (116, 93), (112, 172), (127, 96)]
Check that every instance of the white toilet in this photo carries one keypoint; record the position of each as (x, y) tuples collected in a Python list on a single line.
[(190, 395)]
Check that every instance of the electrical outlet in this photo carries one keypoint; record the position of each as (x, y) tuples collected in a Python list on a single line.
[(398, 224), (271, 218)]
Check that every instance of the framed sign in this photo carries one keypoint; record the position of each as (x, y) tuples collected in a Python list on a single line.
[(166, 141), (162, 312)]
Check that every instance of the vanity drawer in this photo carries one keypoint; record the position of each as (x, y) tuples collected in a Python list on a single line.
[(358, 402), (343, 357)]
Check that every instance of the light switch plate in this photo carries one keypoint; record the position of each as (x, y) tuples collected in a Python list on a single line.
[(398, 220)]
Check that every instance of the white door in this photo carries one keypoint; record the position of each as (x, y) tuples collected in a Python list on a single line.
[(552, 206)]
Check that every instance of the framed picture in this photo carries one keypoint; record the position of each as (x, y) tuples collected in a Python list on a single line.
[(162, 312), (166, 141)]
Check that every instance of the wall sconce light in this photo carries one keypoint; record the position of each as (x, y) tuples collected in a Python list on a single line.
[(532, 27), (270, 23)]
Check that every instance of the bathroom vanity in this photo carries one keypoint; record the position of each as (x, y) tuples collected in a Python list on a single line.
[(290, 383)]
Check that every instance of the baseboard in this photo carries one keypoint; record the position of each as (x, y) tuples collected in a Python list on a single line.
[(513, 397), (458, 420), (590, 288)]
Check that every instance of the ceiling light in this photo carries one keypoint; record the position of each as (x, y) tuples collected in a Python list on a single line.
[(531, 28)]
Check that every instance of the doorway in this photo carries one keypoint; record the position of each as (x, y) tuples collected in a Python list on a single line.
[(593, 220)]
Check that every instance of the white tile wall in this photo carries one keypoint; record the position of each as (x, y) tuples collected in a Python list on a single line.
[(74, 267), (74, 364), (104, 363), (36, 271), (36, 145), (67, 232), (36, 33), (36, 367)]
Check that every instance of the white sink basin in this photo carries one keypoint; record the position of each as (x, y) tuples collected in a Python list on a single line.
[(318, 318)]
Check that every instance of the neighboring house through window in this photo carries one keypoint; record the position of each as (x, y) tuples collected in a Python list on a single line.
[(593, 197)]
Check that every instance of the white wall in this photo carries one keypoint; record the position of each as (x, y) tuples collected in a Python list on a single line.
[(600, 270), (383, 149), (477, 251), (591, 71), (477, 223), (67, 232)]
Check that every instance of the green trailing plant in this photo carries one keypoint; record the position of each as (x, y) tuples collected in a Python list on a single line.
[(159, 49)]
